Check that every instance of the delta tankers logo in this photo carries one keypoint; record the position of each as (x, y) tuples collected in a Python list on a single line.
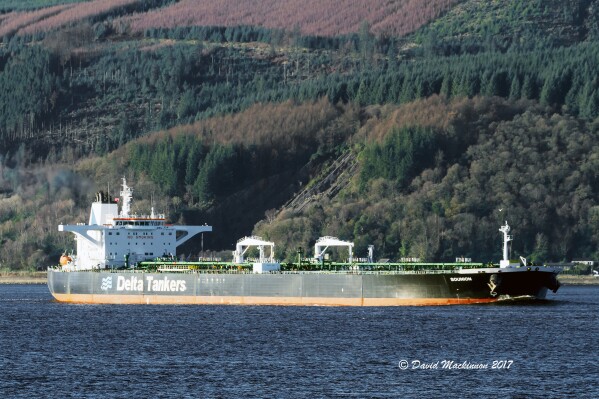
[(152, 284), (106, 283)]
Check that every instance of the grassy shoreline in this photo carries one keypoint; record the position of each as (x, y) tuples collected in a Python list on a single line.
[(567, 279), (8, 277)]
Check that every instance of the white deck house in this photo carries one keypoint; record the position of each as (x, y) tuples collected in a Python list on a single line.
[(113, 239)]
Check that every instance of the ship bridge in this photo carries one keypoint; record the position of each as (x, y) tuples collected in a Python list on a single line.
[(113, 239)]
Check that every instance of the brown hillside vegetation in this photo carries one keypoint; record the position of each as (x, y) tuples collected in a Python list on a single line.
[(436, 112), (55, 17), (282, 125), (312, 17), (12, 22)]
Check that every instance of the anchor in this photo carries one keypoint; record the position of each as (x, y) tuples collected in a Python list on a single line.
[(493, 284)]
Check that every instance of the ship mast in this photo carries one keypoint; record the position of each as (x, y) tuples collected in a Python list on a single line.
[(505, 262), (126, 195)]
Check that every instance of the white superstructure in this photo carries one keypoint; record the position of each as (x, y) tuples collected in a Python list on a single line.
[(113, 239)]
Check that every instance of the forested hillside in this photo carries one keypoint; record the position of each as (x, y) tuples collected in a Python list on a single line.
[(438, 178), (407, 125)]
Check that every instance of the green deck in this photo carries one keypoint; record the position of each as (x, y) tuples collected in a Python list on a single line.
[(311, 266)]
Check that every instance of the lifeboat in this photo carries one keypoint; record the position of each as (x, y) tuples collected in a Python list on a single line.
[(65, 260)]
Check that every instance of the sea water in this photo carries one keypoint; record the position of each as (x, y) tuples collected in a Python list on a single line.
[(546, 349)]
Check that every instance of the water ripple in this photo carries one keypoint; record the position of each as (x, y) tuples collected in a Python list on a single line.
[(55, 350)]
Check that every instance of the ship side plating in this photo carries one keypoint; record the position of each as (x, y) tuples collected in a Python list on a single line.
[(299, 288)]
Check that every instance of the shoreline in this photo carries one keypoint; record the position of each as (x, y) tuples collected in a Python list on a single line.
[(567, 279), (41, 278), (23, 278)]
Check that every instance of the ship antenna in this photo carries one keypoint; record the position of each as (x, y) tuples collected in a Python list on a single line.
[(152, 215)]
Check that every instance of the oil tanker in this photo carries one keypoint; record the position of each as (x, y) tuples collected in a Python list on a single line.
[(124, 258)]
